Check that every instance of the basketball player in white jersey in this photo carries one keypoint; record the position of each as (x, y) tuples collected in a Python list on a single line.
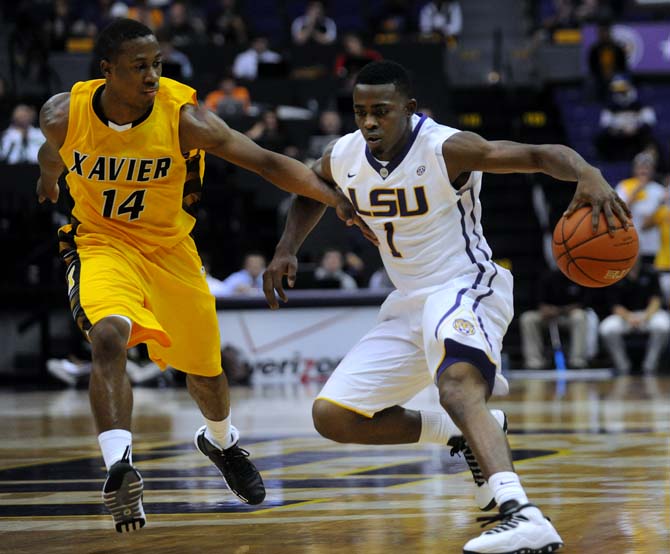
[(416, 184)]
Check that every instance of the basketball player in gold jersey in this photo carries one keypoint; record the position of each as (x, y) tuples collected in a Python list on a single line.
[(133, 146)]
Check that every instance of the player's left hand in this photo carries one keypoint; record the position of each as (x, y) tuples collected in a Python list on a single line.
[(593, 190), (346, 212)]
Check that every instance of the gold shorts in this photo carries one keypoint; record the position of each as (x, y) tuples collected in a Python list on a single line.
[(163, 292)]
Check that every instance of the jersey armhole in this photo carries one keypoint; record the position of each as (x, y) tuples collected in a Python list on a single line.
[(334, 155), (71, 126), (443, 164)]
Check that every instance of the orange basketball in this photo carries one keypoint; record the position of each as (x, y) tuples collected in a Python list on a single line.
[(593, 259)]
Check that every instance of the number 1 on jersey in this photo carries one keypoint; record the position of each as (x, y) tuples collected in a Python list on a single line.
[(388, 227), (133, 205)]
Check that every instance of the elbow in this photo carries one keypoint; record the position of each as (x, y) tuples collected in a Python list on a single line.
[(268, 166), (538, 155)]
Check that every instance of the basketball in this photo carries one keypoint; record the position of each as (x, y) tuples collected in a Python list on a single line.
[(593, 259)]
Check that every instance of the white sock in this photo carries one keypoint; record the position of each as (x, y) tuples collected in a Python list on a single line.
[(221, 433), (113, 444), (436, 428), (505, 486)]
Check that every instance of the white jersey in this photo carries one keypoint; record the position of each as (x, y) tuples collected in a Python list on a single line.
[(429, 232)]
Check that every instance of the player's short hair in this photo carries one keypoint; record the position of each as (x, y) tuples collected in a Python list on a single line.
[(111, 38), (385, 72)]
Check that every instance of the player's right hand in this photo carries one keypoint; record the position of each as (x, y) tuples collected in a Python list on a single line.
[(347, 213), (282, 264), (44, 192)]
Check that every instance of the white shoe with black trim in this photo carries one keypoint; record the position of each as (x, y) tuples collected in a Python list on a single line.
[(522, 530)]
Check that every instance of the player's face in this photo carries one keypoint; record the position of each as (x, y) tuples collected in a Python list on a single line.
[(135, 72), (383, 116)]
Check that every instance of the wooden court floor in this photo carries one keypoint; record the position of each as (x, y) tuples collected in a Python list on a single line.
[(595, 457)]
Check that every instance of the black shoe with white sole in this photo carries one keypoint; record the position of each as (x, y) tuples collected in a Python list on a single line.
[(239, 473), (122, 495)]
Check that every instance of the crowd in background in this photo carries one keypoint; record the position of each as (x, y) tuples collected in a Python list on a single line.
[(634, 307)]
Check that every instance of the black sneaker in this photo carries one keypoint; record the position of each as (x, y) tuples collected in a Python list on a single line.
[(483, 495), (239, 474), (122, 495)]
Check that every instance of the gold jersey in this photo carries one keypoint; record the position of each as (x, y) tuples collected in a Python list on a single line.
[(132, 182)]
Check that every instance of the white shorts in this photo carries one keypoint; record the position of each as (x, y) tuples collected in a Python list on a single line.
[(420, 334)]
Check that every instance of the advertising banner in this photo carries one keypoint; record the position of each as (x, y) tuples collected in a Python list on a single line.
[(295, 345)]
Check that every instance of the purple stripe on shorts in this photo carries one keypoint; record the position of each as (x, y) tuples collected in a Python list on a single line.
[(480, 267), (486, 335), (457, 352)]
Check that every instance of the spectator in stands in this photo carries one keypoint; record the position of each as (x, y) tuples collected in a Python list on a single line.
[(442, 18), (246, 63), (661, 221), (635, 305), (626, 125), (380, 280), (101, 13), (176, 64), (238, 370), (183, 28), (141, 11), (348, 63), (246, 281), (230, 99), (331, 268), (59, 25), (561, 302), (392, 21), (28, 49), (569, 14), (314, 27), (268, 132), (353, 57), (644, 196), (226, 24), (607, 59), (21, 141), (354, 266), (330, 129)]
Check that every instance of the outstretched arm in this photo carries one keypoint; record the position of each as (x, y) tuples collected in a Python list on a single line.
[(201, 129), (303, 215), (53, 122), (467, 151)]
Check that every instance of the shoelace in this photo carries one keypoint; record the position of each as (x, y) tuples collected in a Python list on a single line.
[(508, 520), (458, 445), (236, 457)]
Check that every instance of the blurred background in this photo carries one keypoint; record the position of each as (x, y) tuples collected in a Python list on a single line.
[(591, 74)]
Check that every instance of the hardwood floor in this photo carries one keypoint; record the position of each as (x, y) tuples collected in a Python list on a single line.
[(595, 456)]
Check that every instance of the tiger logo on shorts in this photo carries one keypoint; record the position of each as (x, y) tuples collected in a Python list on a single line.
[(464, 327)]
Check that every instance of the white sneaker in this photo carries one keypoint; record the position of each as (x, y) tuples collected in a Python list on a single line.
[(483, 494), (139, 374), (522, 530), (67, 371)]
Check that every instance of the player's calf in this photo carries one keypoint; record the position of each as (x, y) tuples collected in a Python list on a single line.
[(483, 493)]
